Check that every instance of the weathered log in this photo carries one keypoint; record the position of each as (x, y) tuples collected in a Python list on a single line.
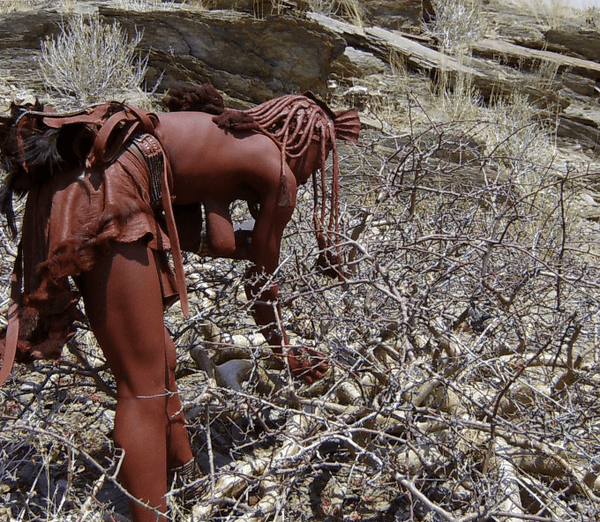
[(508, 478)]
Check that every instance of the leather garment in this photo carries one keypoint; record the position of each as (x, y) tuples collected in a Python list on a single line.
[(68, 226)]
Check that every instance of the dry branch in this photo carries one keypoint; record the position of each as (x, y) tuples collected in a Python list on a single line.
[(469, 304)]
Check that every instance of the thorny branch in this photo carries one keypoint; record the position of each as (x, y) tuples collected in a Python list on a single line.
[(464, 382)]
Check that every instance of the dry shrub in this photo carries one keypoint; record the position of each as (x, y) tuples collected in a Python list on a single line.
[(469, 320), (10, 6), (457, 23), (464, 382), (90, 62), (350, 10), (549, 13), (592, 17)]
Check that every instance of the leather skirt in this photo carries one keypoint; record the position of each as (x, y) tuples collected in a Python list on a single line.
[(69, 224)]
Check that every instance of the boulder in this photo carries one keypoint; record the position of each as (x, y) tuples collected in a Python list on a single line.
[(354, 63)]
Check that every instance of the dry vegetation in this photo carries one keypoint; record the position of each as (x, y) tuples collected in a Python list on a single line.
[(89, 62), (464, 347)]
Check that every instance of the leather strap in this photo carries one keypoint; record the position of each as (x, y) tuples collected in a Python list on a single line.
[(174, 238), (94, 115), (127, 122), (150, 148), (12, 330)]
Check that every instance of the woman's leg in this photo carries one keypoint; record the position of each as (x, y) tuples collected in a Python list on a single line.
[(178, 442), (123, 302)]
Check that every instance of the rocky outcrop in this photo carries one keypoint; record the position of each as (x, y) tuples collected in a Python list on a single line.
[(355, 63), (250, 50), (579, 42), (398, 15), (250, 58), (254, 50), (401, 15)]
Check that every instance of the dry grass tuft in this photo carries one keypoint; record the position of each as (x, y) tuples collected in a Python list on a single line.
[(457, 23), (350, 10), (10, 6), (549, 13), (157, 5)]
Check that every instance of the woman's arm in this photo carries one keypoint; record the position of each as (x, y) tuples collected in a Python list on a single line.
[(264, 251)]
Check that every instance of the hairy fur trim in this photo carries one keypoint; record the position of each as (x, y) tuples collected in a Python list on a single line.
[(31, 152)]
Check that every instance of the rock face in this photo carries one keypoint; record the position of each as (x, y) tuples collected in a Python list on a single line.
[(248, 58), (403, 15), (253, 50), (580, 42), (355, 64), (400, 15)]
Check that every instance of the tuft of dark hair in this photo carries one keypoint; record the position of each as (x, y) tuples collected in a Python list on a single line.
[(204, 98)]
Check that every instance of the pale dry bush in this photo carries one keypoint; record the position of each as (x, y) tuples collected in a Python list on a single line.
[(463, 343), (466, 298), (592, 17), (90, 62), (457, 23), (458, 99), (463, 346), (518, 137)]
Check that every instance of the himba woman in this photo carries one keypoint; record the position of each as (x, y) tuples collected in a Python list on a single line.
[(98, 183)]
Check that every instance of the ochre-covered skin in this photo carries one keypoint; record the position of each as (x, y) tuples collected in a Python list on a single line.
[(123, 302), (230, 167), (116, 255)]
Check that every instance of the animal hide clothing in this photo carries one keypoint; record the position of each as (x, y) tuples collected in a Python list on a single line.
[(69, 224)]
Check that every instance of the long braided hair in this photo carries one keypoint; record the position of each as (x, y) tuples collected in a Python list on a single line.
[(294, 123)]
